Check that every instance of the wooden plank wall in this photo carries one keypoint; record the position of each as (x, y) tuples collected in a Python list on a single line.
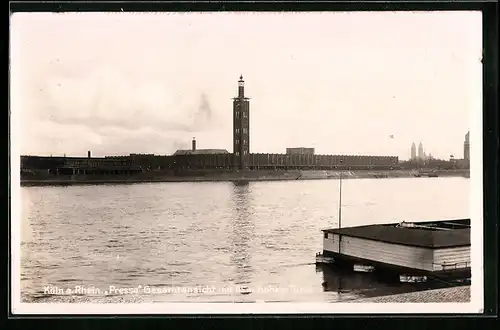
[(392, 254), (457, 257)]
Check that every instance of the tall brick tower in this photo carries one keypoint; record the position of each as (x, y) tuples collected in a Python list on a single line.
[(241, 127)]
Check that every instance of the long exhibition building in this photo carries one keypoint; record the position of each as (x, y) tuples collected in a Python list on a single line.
[(210, 159)]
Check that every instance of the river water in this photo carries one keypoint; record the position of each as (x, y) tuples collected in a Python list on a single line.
[(212, 241)]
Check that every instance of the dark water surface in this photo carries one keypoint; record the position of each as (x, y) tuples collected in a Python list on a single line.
[(168, 241)]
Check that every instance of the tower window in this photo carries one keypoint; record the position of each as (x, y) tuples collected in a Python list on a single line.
[(237, 141), (237, 153), (244, 152), (244, 141), (237, 131), (237, 114), (244, 130), (244, 114)]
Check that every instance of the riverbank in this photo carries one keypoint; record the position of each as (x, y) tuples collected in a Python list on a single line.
[(460, 294), (247, 176)]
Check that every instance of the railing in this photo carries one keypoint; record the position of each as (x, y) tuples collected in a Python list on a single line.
[(452, 266)]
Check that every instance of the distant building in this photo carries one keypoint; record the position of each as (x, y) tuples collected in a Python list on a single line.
[(413, 151), (300, 151), (201, 152), (420, 152), (466, 148), (194, 151)]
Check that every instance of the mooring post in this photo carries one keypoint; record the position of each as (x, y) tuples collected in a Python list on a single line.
[(340, 204)]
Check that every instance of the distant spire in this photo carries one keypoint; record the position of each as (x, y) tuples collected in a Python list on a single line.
[(421, 151), (413, 151)]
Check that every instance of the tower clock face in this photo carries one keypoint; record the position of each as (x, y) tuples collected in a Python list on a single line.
[(241, 83)]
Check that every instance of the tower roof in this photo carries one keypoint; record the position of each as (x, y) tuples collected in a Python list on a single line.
[(182, 152)]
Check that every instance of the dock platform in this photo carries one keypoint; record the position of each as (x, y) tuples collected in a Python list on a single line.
[(426, 248)]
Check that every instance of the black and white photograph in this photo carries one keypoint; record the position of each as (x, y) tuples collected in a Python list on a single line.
[(246, 162)]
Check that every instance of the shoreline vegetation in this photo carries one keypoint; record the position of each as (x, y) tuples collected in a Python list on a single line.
[(237, 176)]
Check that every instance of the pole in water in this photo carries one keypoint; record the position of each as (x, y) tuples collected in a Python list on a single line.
[(339, 288), (340, 203)]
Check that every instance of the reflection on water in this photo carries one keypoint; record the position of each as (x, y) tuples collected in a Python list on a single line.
[(242, 233), (259, 235), (348, 284)]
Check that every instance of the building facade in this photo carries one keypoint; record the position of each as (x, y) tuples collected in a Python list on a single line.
[(300, 151), (80, 165)]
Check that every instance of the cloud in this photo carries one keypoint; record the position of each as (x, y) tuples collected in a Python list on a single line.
[(112, 110), (203, 116), (107, 97)]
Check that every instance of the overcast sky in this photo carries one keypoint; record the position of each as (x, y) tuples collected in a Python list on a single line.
[(339, 82)]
